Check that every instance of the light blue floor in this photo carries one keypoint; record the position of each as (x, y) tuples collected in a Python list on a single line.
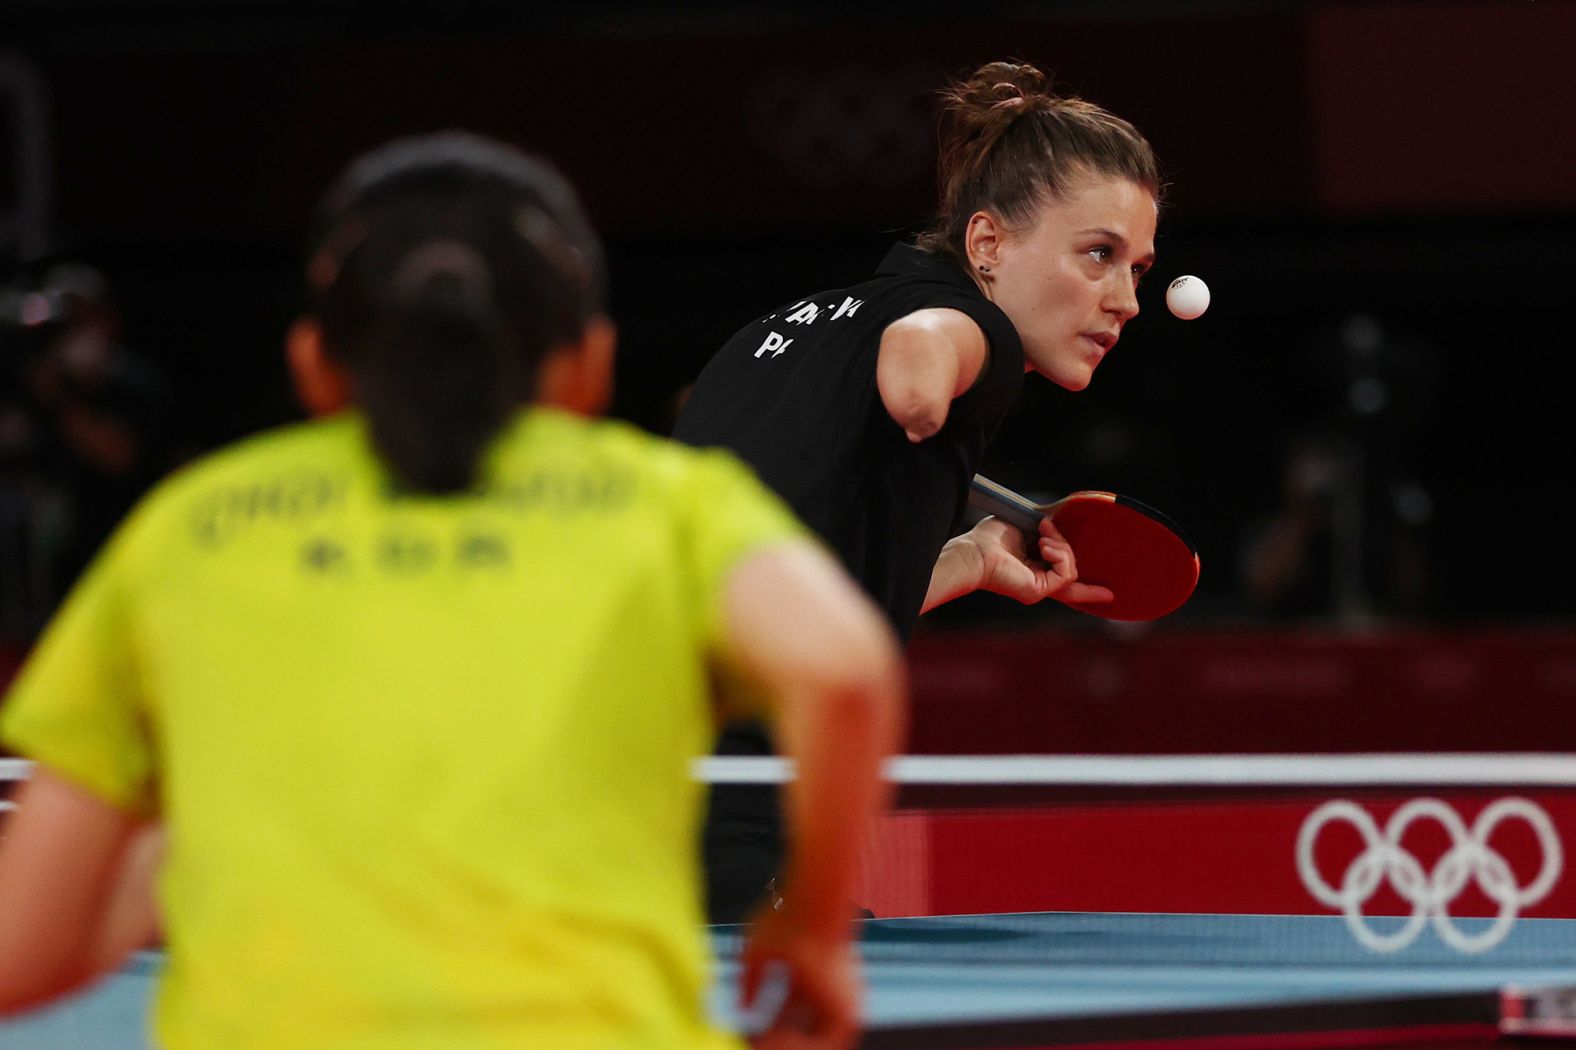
[(110, 1016), (1004, 967)]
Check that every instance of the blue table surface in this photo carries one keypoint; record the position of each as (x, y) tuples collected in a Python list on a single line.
[(978, 968)]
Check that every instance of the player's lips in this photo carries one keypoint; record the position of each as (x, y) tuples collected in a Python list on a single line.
[(1104, 340)]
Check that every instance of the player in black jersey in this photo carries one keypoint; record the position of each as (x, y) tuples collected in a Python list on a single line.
[(868, 408)]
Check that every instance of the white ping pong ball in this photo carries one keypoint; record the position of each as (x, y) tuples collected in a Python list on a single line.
[(1187, 297)]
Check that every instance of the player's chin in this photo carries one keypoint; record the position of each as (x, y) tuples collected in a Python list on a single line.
[(1070, 368), (1073, 375)]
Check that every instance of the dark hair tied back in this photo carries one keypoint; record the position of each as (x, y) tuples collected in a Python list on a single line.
[(1008, 142), (444, 376), (445, 269)]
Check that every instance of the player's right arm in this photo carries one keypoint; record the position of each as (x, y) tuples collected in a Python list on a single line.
[(63, 921), (796, 626), (927, 359), (77, 858)]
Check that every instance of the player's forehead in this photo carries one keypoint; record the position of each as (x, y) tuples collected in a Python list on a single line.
[(1110, 206)]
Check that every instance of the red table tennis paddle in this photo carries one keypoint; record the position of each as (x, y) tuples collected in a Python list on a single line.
[(1139, 553)]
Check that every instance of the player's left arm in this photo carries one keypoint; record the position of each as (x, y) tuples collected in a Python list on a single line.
[(997, 557), (65, 917), (927, 359)]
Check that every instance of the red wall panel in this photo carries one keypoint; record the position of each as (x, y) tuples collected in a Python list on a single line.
[(1444, 106), (1051, 692)]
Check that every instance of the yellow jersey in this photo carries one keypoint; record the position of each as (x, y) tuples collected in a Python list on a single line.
[(424, 761)]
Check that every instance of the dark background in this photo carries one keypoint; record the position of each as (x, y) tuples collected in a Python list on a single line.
[(1381, 196)]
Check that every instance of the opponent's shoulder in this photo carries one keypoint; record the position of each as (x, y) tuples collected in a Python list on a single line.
[(318, 447), (662, 470), (293, 457), (550, 437), (332, 440), (662, 460)]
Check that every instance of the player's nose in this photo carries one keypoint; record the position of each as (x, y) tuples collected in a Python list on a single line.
[(1122, 300)]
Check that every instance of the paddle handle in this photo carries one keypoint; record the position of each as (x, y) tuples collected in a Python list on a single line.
[(987, 496)]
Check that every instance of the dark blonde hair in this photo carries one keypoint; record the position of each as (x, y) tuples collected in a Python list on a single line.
[(1008, 142)]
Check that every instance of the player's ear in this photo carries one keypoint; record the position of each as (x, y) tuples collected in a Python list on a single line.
[(579, 376), (322, 385), (982, 241)]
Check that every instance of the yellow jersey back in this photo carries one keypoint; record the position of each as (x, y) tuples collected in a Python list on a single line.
[(424, 761)]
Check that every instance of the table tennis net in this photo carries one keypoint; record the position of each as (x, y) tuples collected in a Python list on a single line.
[(1401, 858), (1433, 860)]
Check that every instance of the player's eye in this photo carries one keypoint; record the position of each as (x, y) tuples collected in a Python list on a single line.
[(1138, 274), (1100, 254)]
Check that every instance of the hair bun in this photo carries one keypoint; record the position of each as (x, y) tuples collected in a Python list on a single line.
[(999, 85)]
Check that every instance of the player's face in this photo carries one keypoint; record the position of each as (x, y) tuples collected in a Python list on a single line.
[(1069, 282)]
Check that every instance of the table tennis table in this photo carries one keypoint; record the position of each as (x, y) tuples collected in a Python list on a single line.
[(1088, 979)]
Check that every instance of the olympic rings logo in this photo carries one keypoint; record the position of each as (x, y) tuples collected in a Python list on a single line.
[(839, 126), (1469, 858)]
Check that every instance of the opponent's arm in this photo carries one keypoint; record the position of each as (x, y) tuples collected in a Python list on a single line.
[(61, 862), (927, 359), (131, 920), (802, 630)]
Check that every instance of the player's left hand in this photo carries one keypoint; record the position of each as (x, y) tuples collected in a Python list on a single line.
[(1011, 568), (799, 985)]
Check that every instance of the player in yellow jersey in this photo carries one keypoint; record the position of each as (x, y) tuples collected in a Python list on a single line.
[(414, 689)]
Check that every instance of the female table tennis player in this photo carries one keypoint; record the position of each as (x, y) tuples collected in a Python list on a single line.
[(415, 687), (868, 408)]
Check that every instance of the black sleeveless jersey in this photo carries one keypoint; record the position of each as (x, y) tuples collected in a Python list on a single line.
[(794, 394)]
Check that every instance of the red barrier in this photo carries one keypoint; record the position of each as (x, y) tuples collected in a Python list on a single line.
[(1226, 856), (1051, 693)]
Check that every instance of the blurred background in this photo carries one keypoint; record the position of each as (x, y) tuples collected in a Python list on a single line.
[(1367, 435)]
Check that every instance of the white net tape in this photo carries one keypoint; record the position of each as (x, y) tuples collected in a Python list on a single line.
[(1369, 770), (1373, 770)]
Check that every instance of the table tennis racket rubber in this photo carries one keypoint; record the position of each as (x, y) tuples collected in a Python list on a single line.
[(1140, 554)]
